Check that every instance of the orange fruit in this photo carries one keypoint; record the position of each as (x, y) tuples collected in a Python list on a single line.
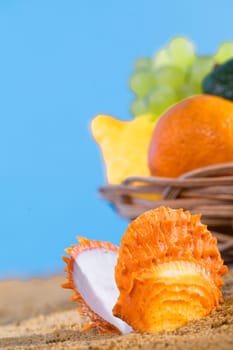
[(193, 133)]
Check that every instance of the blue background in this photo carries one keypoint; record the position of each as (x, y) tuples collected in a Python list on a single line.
[(61, 63)]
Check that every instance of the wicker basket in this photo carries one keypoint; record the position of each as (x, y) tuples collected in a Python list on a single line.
[(207, 190)]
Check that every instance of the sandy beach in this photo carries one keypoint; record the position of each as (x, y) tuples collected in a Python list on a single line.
[(37, 314)]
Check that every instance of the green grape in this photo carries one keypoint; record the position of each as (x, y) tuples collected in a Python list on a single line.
[(160, 98), (170, 76), (224, 52), (143, 63), (188, 89), (199, 69), (142, 82), (182, 52), (161, 59), (139, 107)]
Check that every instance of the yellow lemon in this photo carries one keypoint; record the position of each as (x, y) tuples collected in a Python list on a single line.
[(124, 145)]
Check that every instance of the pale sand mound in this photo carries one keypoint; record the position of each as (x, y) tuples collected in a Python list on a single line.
[(60, 329), (20, 300)]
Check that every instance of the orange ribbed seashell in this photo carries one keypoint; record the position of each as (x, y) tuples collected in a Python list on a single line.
[(90, 274), (169, 271)]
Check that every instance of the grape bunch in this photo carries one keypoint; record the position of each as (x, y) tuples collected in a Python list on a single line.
[(172, 74)]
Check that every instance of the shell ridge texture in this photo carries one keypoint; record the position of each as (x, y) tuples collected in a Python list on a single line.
[(175, 273)]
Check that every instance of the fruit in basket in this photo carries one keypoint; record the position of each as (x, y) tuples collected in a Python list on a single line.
[(193, 133), (220, 81), (124, 145), (172, 74), (169, 271)]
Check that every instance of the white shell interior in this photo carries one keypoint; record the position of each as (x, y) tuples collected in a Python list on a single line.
[(93, 275)]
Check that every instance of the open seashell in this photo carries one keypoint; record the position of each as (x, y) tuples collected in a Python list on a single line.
[(169, 271), (90, 269)]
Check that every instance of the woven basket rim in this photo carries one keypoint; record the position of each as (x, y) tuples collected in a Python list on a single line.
[(207, 190)]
